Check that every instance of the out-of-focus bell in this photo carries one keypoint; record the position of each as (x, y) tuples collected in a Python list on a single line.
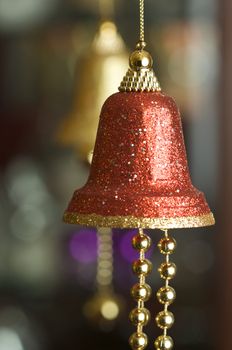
[(139, 175), (98, 78)]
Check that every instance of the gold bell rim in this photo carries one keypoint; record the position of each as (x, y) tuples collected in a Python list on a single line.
[(94, 220)]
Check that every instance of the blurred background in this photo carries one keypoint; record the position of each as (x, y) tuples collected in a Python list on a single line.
[(54, 60)]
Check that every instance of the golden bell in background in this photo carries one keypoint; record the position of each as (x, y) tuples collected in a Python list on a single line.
[(139, 178), (99, 70), (107, 57)]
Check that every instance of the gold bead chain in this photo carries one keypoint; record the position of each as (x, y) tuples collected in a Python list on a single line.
[(141, 291), (105, 259), (166, 294)]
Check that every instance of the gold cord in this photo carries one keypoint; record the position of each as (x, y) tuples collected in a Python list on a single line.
[(141, 21)]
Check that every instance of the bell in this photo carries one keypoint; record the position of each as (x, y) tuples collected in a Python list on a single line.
[(139, 178), (107, 57), (139, 175)]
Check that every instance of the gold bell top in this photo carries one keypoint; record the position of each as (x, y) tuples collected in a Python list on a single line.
[(99, 69), (140, 76)]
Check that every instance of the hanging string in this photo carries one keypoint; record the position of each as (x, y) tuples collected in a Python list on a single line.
[(105, 260), (141, 44), (141, 21)]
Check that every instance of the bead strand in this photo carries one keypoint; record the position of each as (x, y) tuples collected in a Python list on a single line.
[(166, 294), (141, 291), (105, 260)]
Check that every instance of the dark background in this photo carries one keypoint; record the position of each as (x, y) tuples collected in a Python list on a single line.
[(42, 286)]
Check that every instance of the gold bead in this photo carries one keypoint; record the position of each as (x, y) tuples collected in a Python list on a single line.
[(142, 267), (139, 316), (141, 242), (140, 59), (166, 295), (167, 270), (141, 45), (167, 245), (164, 342), (165, 319), (138, 341), (141, 292)]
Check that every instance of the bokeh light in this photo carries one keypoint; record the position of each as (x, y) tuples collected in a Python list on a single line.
[(83, 246), (110, 309), (34, 208), (10, 340), (17, 15)]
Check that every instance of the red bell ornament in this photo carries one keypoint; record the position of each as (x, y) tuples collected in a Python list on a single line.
[(139, 175), (139, 178)]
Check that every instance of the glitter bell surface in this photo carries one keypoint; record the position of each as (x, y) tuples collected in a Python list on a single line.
[(139, 175), (139, 178)]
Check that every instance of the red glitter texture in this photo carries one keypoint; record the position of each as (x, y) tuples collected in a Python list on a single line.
[(139, 165)]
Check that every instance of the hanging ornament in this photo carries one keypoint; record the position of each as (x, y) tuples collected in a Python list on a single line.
[(106, 58), (139, 178), (105, 306)]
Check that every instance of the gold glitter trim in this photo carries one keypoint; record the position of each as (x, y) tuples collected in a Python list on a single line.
[(142, 80), (133, 222)]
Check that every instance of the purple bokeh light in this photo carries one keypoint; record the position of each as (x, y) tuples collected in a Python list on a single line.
[(83, 246)]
